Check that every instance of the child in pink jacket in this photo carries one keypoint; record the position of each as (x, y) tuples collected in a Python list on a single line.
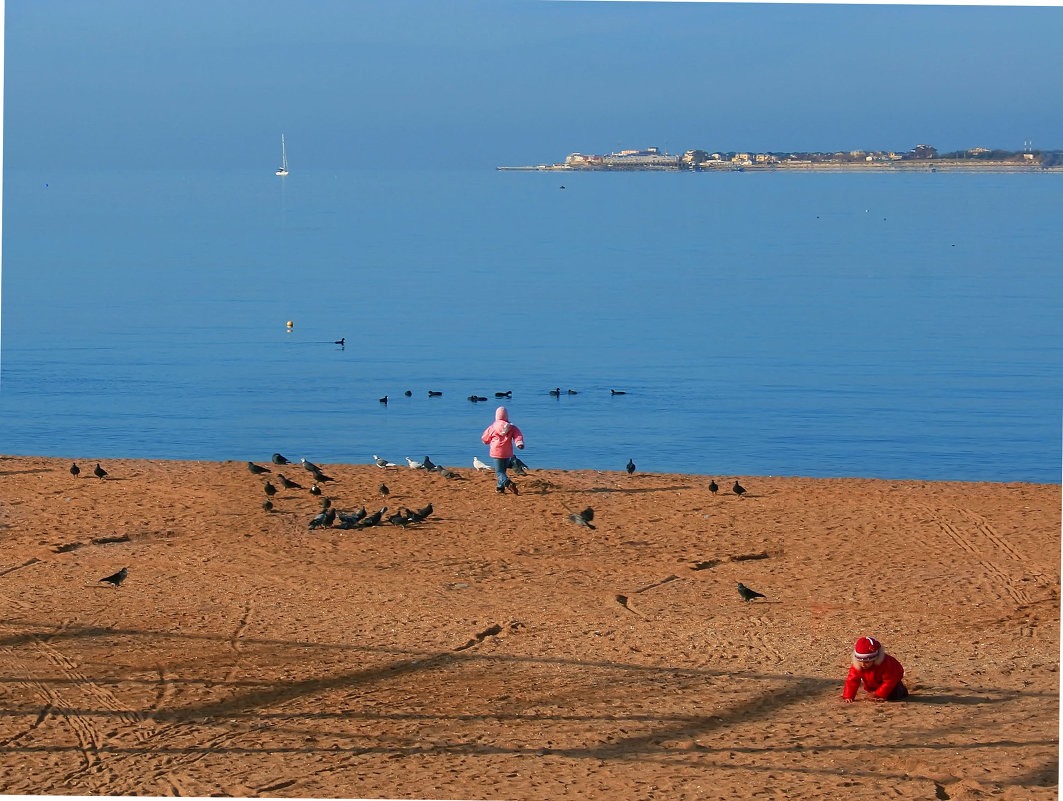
[(501, 436), (879, 672)]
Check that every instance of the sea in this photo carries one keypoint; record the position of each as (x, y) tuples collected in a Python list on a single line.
[(898, 326)]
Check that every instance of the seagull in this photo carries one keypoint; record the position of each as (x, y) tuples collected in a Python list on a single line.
[(383, 463), (384, 491), (738, 489), (584, 518), (257, 469), (313, 468), (748, 594), (713, 486), (287, 483), (414, 465), (117, 578), (434, 394), (270, 489), (617, 392), (630, 467), (99, 472), (479, 465), (278, 459), (74, 469)]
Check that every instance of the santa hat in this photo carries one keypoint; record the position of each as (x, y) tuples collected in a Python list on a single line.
[(867, 648)]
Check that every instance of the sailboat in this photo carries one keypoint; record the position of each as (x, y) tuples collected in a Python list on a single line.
[(284, 159)]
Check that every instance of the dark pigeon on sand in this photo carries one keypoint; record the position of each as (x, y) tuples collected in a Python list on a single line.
[(630, 467), (257, 469), (74, 469), (98, 471), (583, 518), (713, 486), (270, 489), (278, 459), (739, 490), (287, 483), (748, 594), (117, 578)]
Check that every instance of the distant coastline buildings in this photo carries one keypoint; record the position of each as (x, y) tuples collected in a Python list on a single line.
[(922, 157)]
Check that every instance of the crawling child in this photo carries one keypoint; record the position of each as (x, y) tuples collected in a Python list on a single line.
[(879, 672)]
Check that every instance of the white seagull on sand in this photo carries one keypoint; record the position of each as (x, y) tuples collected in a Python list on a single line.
[(414, 465), (383, 462), (479, 465)]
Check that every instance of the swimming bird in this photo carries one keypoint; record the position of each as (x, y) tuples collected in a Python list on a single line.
[(267, 505), (117, 578), (341, 341), (288, 483), (270, 489), (617, 392), (713, 486), (583, 518), (257, 469), (738, 489), (384, 400), (572, 392), (408, 393), (313, 468), (75, 471), (479, 465), (383, 463), (748, 594), (278, 459), (556, 392), (98, 471), (434, 394), (384, 491), (506, 394), (630, 467)]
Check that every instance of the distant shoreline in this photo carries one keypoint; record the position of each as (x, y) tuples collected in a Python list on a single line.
[(942, 166)]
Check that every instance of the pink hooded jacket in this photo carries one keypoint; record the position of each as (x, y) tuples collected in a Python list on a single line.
[(501, 435)]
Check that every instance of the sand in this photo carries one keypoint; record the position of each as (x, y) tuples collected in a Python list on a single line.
[(497, 650)]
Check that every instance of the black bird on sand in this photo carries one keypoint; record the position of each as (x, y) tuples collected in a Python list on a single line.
[(287, 483), (313, 468), (630, 467), (748, 594), (373, 519), (321, 478), (117, 578), (323, 519), (270, 489), (384, 491), (421, 513), (353, 519), (738, 489), (326, 502), (278, 459), (267, 505), (713, 486), (518, 466), (75, 471), (315, 489), (98, 471), (429, 464), (257, 469), (583, 518), (399, 519)]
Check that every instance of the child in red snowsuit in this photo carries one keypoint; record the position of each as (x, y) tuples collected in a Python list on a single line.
[(879, 672), (502, 435)]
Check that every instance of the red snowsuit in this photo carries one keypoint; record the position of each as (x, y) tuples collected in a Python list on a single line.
[(881, 679)]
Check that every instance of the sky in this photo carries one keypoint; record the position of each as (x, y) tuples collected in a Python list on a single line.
[(481, 83)]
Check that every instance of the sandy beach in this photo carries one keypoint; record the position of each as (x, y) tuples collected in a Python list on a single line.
[(498, 650)]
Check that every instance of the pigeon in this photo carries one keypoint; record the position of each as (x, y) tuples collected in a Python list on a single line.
[(320, 477), (351, 520), (518, 466), (584, 518), (713, 486), (373, 519), (738, 489), (278, 459), (384, 491), (341, 341), (288, 483), (313, 468), (319, 520), (449, 473), (506, 394), (434, 394), (117, 578), (617, 392), (74, 469), (99, 472), (630, 467), (479, 465), (384, 400), (267, 505), (429, 464), (326, 502), (257, 469), (399, 519), (270, 489), (421, 513), (315, 489), (383, 463), (748, 594), (414, 465)]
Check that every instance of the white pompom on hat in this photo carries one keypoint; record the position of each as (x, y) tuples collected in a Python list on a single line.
[(867, 648)]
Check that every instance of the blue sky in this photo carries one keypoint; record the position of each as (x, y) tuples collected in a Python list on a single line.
[(357, 83)]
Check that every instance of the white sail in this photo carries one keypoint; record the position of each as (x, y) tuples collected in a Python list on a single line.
[(284, 158)]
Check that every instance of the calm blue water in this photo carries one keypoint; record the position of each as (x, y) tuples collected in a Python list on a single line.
[(899, 326)]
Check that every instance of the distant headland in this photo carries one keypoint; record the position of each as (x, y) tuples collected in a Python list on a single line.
[(920, 158)]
